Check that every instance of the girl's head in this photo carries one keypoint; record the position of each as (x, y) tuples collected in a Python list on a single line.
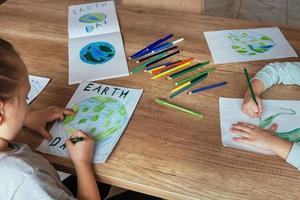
[(14, 87)]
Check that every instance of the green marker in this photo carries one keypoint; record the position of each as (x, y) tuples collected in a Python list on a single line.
[(187, 70), (209, 70), (140, 67), (250, 86), (193, 82), (178, 107)]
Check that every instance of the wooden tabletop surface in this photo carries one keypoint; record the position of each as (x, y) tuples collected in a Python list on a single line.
[(162, 152)]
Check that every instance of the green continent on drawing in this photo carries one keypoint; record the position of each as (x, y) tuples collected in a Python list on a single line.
[(250, 43), (101, 117), (292, 136), (92, 17)]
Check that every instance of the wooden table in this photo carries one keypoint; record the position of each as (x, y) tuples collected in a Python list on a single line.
[(162, 152)]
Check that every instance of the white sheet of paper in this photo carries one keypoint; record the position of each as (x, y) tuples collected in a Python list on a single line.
[(248, 45), (92, 19), (103, 111), (230, 113), (37, 84), (96, 50), (80, 71)]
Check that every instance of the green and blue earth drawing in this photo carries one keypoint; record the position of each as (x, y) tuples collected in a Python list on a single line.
[(292, 136), (101, 117), (97, 53), (93, 17), (250, 43)]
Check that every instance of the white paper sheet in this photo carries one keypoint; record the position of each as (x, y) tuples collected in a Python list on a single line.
[(230, 113), (103, 111), (229, 46), (96, 50), (37, 84)]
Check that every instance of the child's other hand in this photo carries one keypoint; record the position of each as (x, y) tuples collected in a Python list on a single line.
[(37, 120), (253, 135), (250, 108), (81, 152)]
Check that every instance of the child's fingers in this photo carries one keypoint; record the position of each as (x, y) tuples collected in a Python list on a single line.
[(79, 133), (247, 124), (242, 140), (56, 116), (239, 132), (242, 128)]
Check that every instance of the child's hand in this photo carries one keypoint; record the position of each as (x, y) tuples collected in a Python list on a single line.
[(253, 135), (250, 108), (37, 120), (82, 151)]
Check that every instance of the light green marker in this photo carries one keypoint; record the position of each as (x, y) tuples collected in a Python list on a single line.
[(178, 107), (140, 67)]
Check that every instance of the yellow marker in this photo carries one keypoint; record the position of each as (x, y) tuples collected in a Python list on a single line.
[(180, 87), (151, 70), (171, 70)]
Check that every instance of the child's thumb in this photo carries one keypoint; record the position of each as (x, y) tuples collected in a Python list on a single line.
[(45, 134)]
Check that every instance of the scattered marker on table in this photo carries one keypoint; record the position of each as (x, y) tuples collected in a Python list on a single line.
[(155, 54), (171, 70), (209, 70), (193, 82), (166, 45), (154, 44), (207, 88), (178, 107), (187, 70), (140, 67), (165, 57)]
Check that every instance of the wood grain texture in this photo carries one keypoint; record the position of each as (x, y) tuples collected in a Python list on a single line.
[(162, 152)]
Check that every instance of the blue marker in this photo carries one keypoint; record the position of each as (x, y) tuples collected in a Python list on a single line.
[(146, 49), (207, 88), (166, 45)]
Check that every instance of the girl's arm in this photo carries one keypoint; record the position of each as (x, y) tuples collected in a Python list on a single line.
[(81, 153), (277, 73)]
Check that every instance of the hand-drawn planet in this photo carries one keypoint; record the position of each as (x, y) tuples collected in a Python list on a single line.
[(92, 17), (97, 53), (250, 43), (101, 117)]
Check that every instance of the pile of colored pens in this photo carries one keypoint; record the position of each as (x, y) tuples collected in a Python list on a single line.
[(159, 51), (155, 52)]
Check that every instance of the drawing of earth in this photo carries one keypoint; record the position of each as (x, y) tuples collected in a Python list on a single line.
[(101, 117), (97, 53), (92, 17), (250, 43)]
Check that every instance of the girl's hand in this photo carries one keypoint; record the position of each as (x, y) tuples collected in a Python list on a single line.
[(249, 106), (82, 151), (253, 135), (37, 120)]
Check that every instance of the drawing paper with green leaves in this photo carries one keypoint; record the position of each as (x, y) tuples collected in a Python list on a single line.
[(102, 111), (242, 45), (285, 113)]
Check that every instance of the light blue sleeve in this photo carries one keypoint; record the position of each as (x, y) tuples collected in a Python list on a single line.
[(276, 73), (294, 156)]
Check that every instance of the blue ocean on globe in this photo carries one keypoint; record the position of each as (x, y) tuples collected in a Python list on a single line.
[(97, 53), (101, 117)]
